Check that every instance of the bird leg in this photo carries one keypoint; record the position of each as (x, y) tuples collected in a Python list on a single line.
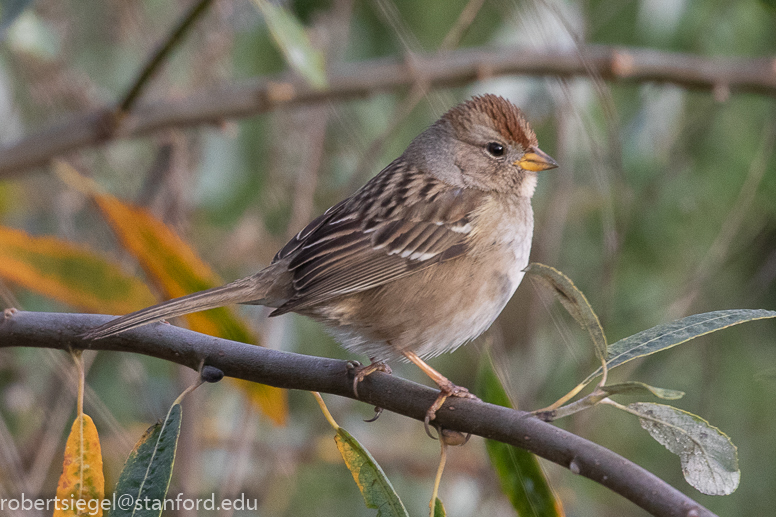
[(448, 389)]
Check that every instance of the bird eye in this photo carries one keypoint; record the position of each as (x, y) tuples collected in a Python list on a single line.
[(496, 149)]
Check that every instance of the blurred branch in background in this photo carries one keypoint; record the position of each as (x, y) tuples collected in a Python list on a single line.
[(723, 76)]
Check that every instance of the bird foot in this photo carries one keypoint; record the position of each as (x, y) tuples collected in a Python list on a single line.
[(447, 390), (361, 372)]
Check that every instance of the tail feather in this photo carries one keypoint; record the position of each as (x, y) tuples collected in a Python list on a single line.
[(240, 291)]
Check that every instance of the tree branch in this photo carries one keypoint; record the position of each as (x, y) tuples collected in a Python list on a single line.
[(155, 61), (294, 371), (722, 75)]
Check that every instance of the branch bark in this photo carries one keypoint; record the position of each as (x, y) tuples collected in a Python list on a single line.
[(294, 371), (721, 75)]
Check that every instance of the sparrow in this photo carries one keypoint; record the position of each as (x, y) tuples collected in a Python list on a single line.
[(419, 261)]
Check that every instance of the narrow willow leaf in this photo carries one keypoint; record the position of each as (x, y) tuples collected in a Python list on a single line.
[(675, 333), (639, 388), (574, 301), (176, 269), (292, 40), (521, 476), (439, 508), (369, 476), (81, 484), (69, 273), (147, 472), (709, 459)]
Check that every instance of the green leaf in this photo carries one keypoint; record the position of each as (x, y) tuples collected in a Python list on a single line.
[(675, 333), (573, 300), (639, 388), (292, 40), (521, 476), (371, 480), (709, 459), (146, 473), (439, 508)]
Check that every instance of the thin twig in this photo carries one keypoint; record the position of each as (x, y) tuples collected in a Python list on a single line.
[(462, 24), (156, 60)]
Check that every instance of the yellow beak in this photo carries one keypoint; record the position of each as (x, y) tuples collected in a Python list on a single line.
[(536, 160)]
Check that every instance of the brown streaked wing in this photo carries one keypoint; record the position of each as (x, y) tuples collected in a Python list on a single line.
[(354, 247)]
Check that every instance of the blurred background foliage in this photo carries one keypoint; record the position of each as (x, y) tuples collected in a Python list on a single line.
[(664, 205)]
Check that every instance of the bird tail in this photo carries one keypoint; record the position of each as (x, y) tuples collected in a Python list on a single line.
[(246, 290)]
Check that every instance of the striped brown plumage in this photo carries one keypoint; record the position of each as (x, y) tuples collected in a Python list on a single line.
[(418, 261)]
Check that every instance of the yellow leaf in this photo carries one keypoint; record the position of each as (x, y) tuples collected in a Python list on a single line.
[(69, 273), (176, 269), (81, 486)]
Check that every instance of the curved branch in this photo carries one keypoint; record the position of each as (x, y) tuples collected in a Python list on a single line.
[(294, 371), (722, 75)]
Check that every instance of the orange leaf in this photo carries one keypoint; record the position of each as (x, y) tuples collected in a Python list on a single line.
[(81, 486), (69, 273), (176, 269)]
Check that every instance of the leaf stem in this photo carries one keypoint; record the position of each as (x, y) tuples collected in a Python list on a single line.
[(77, 356), (438, 478), (325, 410)]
